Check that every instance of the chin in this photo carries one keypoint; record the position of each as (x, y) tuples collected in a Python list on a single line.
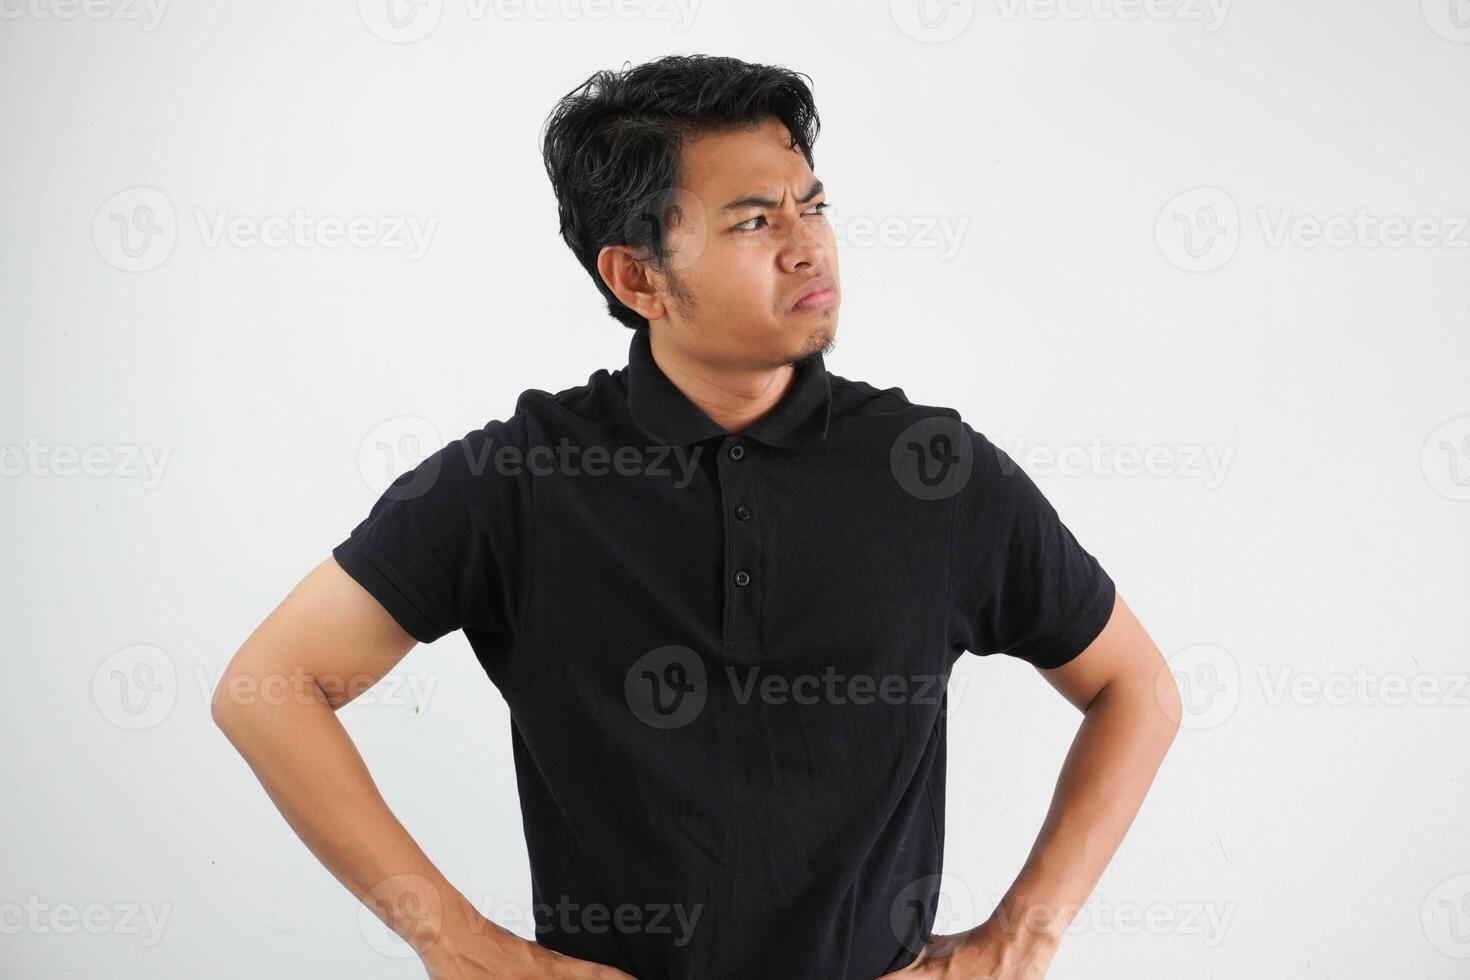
[(817, 341)]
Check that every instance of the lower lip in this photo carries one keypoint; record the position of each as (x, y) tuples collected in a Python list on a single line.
[(816, 301)]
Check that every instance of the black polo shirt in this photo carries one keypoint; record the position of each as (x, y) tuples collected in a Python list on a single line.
[(725, 656)]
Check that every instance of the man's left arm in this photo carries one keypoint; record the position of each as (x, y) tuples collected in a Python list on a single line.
[(1021, 584), (1131, 712)]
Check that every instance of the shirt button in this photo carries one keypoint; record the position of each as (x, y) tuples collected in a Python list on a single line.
[(742, 512), (742, 577), (737, 451)]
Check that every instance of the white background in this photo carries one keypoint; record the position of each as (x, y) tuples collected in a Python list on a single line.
[(1315, 829)]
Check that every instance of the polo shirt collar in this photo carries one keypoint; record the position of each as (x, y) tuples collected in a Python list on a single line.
[(662, 411)]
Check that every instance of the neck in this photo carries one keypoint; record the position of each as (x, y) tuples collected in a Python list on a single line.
[(733, 395)]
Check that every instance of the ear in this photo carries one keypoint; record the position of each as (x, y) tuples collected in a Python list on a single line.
[(630, 280)]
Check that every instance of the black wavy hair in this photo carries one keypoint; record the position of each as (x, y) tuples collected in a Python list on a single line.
[(612, 144)]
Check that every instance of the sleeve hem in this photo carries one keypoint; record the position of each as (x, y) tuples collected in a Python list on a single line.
[(1088, 624), (390, 595)]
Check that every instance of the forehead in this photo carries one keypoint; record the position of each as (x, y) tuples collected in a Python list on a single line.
[(725, 165)]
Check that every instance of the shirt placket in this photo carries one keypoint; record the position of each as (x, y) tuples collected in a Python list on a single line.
[(743, 580)]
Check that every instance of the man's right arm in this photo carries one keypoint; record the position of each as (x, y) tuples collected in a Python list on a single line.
[(327, 642)]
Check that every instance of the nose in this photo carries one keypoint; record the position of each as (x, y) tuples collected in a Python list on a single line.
[(805, 245)]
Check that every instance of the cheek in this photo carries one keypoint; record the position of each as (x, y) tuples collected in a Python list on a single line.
[(739, 278)]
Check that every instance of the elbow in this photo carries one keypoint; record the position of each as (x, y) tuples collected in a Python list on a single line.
[(1149, 698), (226, 707), (1166, 693), (220, 708), (242, 698)]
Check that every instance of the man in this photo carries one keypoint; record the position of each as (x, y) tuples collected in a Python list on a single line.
[(721, 590)]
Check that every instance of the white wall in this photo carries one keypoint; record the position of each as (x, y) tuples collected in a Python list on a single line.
[(1290, 834)]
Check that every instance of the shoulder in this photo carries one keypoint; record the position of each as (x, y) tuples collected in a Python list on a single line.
[(542, 414), (867, 400), (891, 405), (540, 417), (934, 451)]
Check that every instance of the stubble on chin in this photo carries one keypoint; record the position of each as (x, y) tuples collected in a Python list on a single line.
[(821, 341)]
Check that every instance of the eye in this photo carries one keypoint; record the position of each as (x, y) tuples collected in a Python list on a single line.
[(746, 225)]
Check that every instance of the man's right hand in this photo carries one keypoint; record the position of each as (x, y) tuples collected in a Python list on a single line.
[(326, 643), (483, 950)]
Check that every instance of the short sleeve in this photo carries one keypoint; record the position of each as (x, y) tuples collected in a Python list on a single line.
[(441, 547), (1021, 584)]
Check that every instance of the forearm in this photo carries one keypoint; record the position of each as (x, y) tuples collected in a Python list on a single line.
[(312, 771), (1118, 748)]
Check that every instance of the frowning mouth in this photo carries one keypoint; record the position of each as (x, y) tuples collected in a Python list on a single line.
[(819, 294)]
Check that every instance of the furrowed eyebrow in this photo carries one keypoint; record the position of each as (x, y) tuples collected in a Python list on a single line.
[(766, 202)]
